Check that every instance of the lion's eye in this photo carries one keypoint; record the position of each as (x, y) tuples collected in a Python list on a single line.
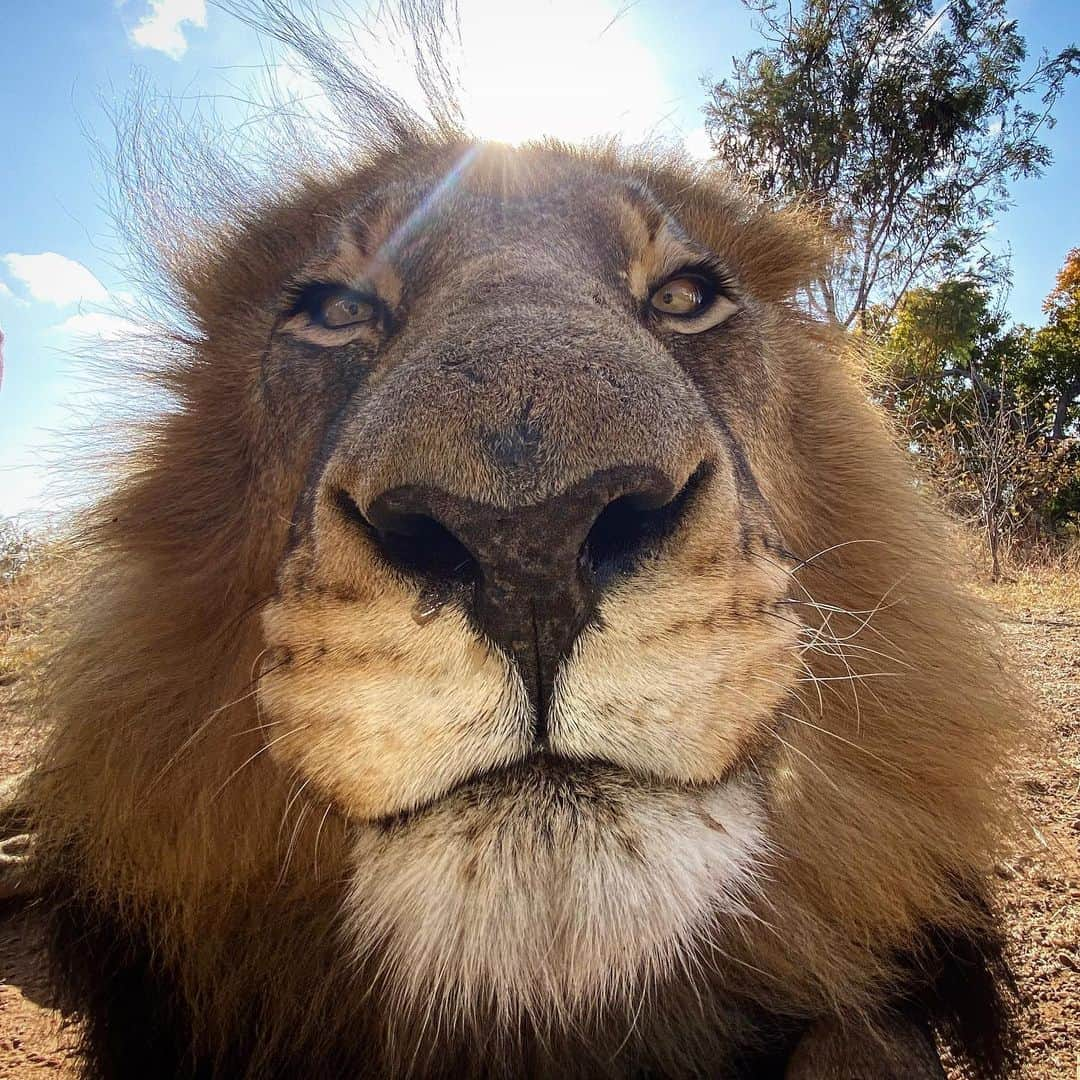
[(685, 296), (345, 309), (691, 303), (328, 306)]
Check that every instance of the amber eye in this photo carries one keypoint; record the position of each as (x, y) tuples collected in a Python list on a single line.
[(684, 295), (332, 314), (345, 309)]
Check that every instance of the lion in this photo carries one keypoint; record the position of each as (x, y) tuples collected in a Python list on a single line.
[(515, 646)]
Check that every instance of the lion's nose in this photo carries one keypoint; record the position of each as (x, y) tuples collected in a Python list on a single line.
[(536, 572)]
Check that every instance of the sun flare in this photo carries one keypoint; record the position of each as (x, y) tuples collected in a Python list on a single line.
[(568, 68)]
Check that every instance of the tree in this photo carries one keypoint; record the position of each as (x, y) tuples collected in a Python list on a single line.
[(903, 125), (1056, 347), (945, 342), (970, 399)]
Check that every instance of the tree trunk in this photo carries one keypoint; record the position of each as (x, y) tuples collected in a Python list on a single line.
[(1061, 414), (993, 537)]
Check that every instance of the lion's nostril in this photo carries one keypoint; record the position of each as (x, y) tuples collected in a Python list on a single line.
[(425, 548), (411, 541), (632, 526)]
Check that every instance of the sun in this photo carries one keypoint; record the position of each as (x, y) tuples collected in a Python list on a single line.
[(571, 69), (566, 68)]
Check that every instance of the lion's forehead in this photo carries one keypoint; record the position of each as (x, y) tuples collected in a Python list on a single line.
[(511, 222)]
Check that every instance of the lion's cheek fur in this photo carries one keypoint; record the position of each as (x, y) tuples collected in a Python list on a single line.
[(382, 714), (553, 900), (683, 683)]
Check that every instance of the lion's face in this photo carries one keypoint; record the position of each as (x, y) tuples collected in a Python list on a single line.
[(530, 631)]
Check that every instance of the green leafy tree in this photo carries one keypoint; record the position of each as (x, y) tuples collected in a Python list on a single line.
[(903, 124), (970, 396), (945, 343), (1055, 349)]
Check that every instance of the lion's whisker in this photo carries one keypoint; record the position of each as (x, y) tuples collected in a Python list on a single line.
[(832, 547), (853, 677), (810, 761), (295, 833), (262, 749), (318, 837), (193, 737), (836, 649), (865, 615), (251, 690), (847, 742), (798, 694)]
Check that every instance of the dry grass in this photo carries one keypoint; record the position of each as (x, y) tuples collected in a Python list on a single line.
[(34, 1043), (1039, 886), (1050, 583), (25, 562), (27, 565)]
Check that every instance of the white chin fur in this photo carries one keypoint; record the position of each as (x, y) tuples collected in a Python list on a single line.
[(551, 894)]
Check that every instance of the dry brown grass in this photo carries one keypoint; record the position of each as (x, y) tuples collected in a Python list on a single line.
[(25, 560), (1039, 886), (1046, 582), (28, 563), (34, 1044)]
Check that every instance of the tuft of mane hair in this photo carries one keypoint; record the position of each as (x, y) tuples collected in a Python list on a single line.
[(200, 887)]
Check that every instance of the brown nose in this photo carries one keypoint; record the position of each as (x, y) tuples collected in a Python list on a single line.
[(535, 572)]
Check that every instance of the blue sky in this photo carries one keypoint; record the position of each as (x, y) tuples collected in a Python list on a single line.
[(63, 62)]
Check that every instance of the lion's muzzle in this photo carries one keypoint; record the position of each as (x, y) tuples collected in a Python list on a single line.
[(532, 575)]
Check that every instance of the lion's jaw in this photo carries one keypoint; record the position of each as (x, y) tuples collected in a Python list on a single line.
[(552, 894)]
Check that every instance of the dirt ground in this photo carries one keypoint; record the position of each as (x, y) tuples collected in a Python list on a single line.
[(1039, 885), (35, 1042)]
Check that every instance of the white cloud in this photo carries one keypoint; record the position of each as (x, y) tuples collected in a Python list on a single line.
[(162, 27), (55, 279), (8, 296), (97, 324)]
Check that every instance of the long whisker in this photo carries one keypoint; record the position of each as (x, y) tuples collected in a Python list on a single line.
[(250, 690), (296, 830), (262, 749), (318, 837), (812, 601), (834, 547), (847, 742), (190, 741), (817, 686), (827, 625), (853, 677), (799, 695), (835, 648), (809, 760)]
